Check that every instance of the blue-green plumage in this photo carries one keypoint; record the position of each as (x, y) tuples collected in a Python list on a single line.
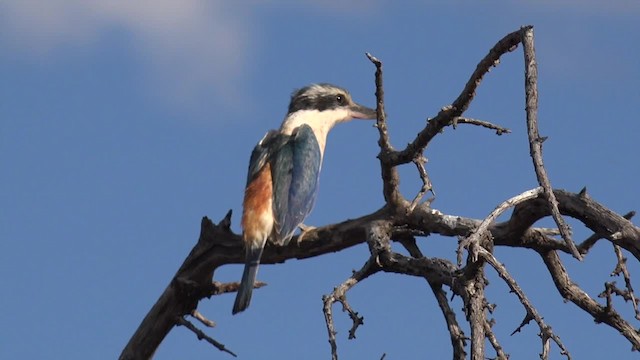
[(295, 171), (294, 161), (282, 181)]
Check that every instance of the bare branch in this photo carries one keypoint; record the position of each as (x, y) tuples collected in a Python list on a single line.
[(621, 268), (476, 313), (545, 330), (458, 340), (591, 213), (390, 177), (401, 221), (419, 161), (586, 245), (500, 354), (339, 295), (218, 288), (473, 241), (572, 292), (465, 120), (202, 336), (461, 103), (535, 141)]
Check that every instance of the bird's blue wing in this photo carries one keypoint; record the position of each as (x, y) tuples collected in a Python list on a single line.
[(295, 169), (270, 144)]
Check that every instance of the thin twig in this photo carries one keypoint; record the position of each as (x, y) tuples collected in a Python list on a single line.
[(572, 292), (621, 268), (381, 120), (419, 161), (535, 140), (460, 104), (545, 330), (378, 233), (390, 177), (456, 334), (458, 340), (202, 336), (339, 295), (465, 120)]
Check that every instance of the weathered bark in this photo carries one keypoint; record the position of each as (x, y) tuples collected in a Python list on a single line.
[(402, 220)]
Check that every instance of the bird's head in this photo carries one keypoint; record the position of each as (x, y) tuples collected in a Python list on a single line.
[(321, 106)]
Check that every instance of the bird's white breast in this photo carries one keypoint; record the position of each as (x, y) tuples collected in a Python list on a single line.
[(321, 122)]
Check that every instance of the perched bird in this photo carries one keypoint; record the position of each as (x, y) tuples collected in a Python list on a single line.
[(283, 173)]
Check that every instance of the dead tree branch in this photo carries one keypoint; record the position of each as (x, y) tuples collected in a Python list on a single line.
[(402, 220), (463, 120), (532, 313), (202, 336), (390, 177), (535, 140), (572, 292), (621, 269), (339, 295)]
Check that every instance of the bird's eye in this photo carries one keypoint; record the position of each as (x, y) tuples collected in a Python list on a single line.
[(340, 99)]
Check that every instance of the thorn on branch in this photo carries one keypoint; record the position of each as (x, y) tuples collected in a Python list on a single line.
[(226, 222), (490, 306), (527, 319)]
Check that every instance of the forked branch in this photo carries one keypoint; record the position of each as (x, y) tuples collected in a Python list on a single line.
[(401, 220)]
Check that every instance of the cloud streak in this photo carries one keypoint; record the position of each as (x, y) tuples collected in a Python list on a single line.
[(186, 47)]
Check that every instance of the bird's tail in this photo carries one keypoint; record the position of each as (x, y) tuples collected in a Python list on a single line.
[(243, 298)]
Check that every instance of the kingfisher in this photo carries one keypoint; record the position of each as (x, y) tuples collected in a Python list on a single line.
[(284, 169)]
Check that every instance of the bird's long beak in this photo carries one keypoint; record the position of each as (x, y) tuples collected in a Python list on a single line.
[(362, 112)]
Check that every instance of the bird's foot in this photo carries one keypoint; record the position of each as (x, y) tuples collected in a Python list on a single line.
[(304, 230)]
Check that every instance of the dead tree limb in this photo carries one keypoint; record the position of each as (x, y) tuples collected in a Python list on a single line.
[(401, 220), (535, 140)]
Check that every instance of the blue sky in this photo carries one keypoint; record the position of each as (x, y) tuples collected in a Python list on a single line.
[(122, 124)]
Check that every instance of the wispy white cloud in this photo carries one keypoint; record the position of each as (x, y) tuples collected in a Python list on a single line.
[(185, 47)]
